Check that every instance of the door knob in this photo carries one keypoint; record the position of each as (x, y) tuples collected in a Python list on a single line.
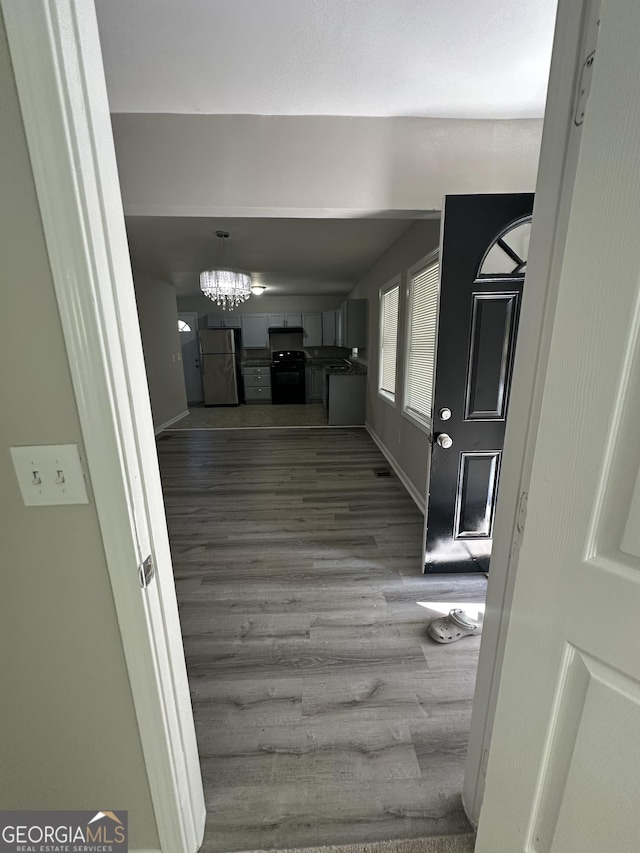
[(444, 440)]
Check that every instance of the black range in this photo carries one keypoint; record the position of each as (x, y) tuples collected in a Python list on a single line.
[(287, 376)]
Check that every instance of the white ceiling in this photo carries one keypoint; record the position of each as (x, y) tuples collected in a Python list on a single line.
[(444, 58), (289, 256)]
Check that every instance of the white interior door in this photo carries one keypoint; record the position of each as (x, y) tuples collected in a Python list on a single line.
[(188, 326), (563, 769)]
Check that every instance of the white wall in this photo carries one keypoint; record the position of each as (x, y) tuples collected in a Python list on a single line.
[(243, 165), (406, 442), (158, 316), (69, 734)]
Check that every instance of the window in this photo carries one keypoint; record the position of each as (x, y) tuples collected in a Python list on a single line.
[(508, 253), (421, 348), (389, 301), (183, 327)]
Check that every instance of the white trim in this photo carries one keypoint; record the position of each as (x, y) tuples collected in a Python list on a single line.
[(277, 212), (558, 161), (235, 429), (168, 423), (55, 51), (421, 263), (387, 397), (425, 426), (418, 499)]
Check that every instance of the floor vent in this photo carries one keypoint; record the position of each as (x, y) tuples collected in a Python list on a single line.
[(382, 472)]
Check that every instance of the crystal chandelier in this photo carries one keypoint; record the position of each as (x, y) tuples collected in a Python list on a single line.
[(225, 286)]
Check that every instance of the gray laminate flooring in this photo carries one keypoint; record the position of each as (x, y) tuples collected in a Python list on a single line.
[(251, 415), (324, 713)]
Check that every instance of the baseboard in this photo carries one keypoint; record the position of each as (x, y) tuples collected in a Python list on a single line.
[(166, 424), (418, 499)]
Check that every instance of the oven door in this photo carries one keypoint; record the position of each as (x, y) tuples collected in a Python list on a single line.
[(287, 383)]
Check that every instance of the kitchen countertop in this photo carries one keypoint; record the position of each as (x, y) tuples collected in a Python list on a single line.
[(343, 370), (329, 365), (257, 362)]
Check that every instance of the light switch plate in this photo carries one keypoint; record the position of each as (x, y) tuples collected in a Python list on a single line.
[(50, 474)]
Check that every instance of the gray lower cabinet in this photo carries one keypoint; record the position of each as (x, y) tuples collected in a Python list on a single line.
[(257, 384), (255, 333), (345, 398), (317, 375), (313, 380)]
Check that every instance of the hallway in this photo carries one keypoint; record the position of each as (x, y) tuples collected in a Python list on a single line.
[(324, 714)]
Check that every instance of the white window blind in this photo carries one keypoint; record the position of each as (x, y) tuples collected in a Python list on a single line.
[(423, 323), (389, 340)]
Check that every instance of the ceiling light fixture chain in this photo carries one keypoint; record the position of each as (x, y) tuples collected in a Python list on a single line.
[(226, 286)]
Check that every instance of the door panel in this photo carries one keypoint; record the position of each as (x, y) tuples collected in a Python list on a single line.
[(493, 333), (477, 327), (476, 495)]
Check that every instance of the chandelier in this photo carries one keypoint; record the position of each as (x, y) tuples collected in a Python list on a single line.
[(224, 285)]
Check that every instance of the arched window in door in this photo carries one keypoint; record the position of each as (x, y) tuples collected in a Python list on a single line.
[(508, 253), (183, 327)]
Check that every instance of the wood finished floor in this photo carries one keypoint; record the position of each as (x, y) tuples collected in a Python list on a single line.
[(252, 415), (324, 713)]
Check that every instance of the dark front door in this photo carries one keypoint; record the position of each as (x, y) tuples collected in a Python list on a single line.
[(482, 265)]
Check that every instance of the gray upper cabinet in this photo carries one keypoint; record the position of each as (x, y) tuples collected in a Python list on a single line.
[(329, 328), (255, 333), (352, 323), (346, 326), (282, 321), (312, 325), (223, 321), (340, 324)]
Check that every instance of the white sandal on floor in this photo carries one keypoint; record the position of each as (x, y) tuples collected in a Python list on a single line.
[(455, 626)]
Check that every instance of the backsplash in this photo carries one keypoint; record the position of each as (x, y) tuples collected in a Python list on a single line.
[(312, 352), (285, 340)]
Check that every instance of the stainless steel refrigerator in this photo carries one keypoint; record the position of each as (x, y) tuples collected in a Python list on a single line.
[(218, 359)]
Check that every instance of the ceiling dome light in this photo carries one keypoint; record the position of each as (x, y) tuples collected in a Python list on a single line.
[(224, 285), (258, 289)]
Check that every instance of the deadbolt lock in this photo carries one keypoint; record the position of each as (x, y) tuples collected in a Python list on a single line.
[(445, 414)]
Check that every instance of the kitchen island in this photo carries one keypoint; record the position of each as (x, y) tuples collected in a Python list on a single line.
[(344, 394)]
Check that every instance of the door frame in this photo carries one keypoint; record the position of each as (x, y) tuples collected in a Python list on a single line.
[(57, 61), (559, 155)]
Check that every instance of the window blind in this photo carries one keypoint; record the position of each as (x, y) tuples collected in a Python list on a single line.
[(423, 300), (389, 340)]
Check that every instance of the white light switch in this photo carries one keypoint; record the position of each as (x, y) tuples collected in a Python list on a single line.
[(50, 474)]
